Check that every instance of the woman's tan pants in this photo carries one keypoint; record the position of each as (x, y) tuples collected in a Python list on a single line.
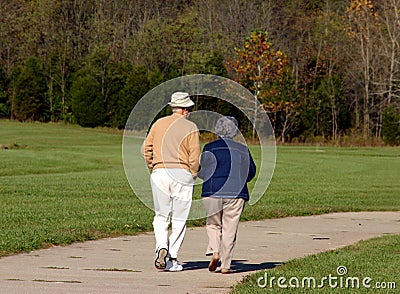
[(223, 215)]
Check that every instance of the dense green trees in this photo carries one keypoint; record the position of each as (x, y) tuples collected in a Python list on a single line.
[(4, 102), (89, 62), (391, 125), (28, 98)]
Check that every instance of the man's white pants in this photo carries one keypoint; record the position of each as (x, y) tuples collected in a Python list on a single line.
[(172, 195)]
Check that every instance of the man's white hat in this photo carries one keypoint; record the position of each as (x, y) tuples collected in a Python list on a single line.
[(181, 99)]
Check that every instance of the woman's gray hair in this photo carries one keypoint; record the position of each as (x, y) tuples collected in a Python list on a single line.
[(226, 127)]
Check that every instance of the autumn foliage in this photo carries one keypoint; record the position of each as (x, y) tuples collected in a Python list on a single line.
[(261, 68), (258, 66)]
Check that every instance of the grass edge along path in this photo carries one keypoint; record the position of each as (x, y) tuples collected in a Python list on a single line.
[(369, 266)]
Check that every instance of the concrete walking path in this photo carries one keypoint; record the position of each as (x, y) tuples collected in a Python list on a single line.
[(125, 264)]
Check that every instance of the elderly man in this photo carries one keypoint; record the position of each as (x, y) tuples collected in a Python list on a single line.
[(172, 152)]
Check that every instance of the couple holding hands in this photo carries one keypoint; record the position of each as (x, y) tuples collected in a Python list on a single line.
[(172, 152)]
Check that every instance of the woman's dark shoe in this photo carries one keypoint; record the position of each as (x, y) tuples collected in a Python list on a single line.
[(214, 262)]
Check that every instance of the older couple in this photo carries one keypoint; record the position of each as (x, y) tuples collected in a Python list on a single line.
[(172, 152)]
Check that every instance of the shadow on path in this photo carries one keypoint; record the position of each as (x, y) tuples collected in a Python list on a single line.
[(238, 266)]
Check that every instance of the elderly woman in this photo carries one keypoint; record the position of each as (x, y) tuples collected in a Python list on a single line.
[(226, 167)]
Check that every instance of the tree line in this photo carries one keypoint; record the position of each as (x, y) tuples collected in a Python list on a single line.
[(324, 70)]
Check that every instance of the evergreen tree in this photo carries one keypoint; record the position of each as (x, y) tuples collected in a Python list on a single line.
[(4, 103), (30, 88), (391, 125), (137, 85), (87, 101), (117, 74)]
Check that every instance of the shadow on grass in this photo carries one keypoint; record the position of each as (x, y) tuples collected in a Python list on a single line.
[(237, 266)]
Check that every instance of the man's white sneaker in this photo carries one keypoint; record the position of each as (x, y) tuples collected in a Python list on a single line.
[(173, 266)]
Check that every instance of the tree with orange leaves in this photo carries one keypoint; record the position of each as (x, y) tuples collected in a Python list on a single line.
[(259, 67)]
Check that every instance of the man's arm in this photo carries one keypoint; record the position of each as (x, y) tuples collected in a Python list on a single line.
[(147, 150), (194, 152)]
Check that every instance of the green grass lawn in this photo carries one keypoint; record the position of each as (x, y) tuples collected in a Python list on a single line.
[(370, 266), (312, 180), (63, 184), (60, 184)]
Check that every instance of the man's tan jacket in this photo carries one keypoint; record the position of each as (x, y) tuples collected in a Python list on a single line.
[(173, 142)]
